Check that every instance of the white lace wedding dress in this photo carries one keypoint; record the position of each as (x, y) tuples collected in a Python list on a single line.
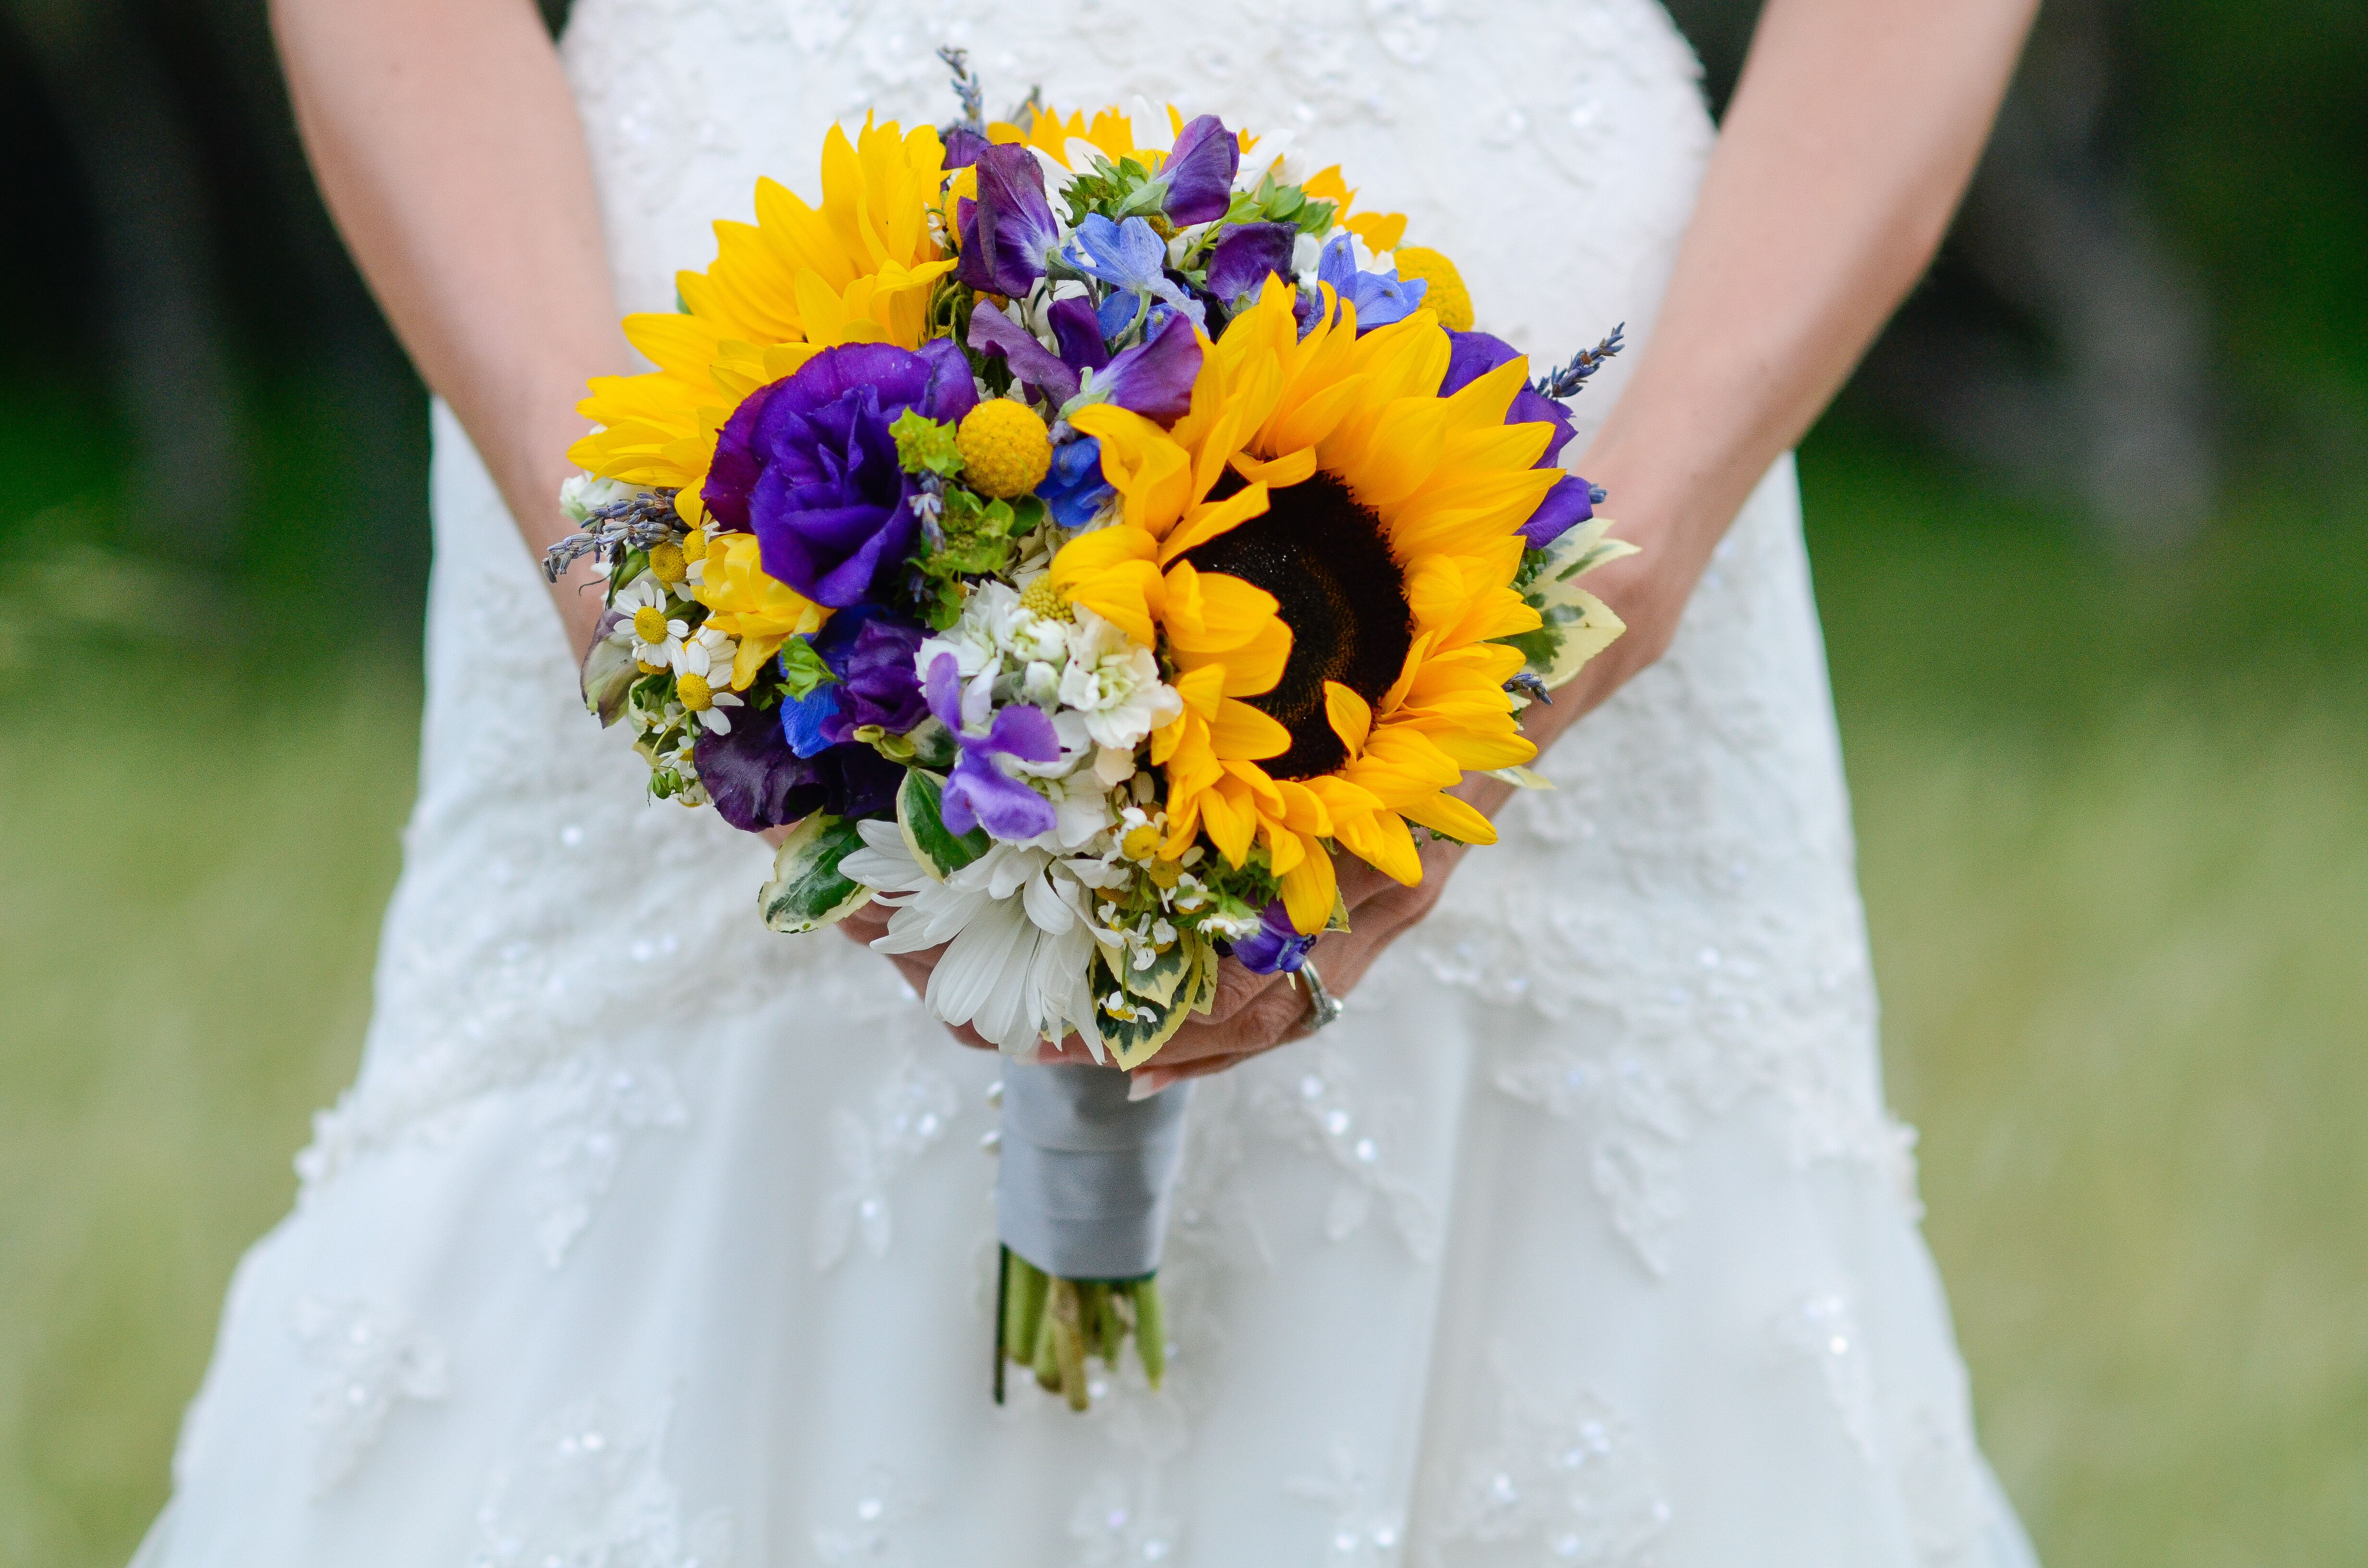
[(650, 1239)]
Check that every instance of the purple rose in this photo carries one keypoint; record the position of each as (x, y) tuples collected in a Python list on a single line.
[(807, 463), (1471, 354)]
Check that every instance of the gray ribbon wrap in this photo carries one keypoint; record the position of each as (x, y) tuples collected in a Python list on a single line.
[(1087, 1173)]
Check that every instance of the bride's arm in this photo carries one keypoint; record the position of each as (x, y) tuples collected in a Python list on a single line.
[(1851, 139), (448, 148)]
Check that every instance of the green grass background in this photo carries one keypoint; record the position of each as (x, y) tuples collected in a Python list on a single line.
[(2114, 825)]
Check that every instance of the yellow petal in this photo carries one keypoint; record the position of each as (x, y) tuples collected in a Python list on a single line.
[(1351, 715)]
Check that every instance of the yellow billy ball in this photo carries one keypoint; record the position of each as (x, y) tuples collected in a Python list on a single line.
[(1447, 294), (1005, 448)]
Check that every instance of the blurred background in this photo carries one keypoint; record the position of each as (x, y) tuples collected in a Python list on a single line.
[(2091, 532)]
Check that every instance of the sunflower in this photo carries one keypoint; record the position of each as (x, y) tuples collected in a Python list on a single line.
[(857, 269), (1326, 547)]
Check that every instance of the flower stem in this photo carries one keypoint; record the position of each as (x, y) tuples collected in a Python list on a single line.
[(1150, 1329), (1068, 1344)]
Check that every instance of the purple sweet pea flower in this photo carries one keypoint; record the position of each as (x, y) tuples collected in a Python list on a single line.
[(757, 782), (1074, 488), (1199, 172), (991, 332), (1247, 255), (871, 650), (1154, 378), (963, 146), (1008, 230), (1078, 331), (1571, 502), (978, 793), (807, 463), (1276, 947), (1381, 298)]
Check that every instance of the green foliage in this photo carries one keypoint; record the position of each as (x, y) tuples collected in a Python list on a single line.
[(808, 890), (802, 668), (1117, 191), (925, 445), (1271, 203), (979, 538), (921, 817)]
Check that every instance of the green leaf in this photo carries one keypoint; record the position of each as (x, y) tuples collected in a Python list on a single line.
[(802, 668), (939, 852), (1578, 625), (609, 671), (807, 890), (1136, 1037)]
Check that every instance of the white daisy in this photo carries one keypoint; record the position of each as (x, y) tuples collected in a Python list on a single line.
[(657, 635), (1016, 931)]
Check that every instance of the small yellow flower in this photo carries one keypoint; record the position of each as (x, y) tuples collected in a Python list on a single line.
[(668, 562), (1004, 449), (650, 625), (694, 693), (1447, 294)]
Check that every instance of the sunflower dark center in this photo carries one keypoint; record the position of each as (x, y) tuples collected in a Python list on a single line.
[(1324, 559)]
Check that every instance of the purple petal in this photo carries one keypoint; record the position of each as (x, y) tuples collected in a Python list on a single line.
[(963, 146), (991, 332), (1022, 731), (977, 793), (1074, 487), (1006, 234), (1078, 332), (941, 687), (1247, 255), (1566, 505), (1155, 378), (1276, 947), (951, 390), (757, 782), (1471, 354), (871, 653), (1199, 172)]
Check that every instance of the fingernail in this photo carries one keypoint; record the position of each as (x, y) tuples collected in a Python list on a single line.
[(1144, 1083)]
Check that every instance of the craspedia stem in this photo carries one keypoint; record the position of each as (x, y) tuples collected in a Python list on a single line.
[(1150, 1330)]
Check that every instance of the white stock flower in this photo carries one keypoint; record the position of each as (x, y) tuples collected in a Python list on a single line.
[(1114, 682)]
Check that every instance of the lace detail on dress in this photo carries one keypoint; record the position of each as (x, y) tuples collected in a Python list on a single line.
[(1567, 1478), (583, 1113), (1366, 1530), (1316, 1101), (1631, 1117), (909, 1116), (1939, 1488), (882, 1503), (374, 1357), (589, 1492), (1116, 1522), (1825, 1329)]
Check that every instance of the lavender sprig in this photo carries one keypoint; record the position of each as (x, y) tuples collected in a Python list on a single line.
[(967, 87), (1567, 381), (637, 522)]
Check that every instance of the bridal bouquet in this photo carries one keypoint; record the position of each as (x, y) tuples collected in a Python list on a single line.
[(1076, 532)]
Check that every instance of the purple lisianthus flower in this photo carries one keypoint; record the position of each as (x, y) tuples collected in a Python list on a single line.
[(1571, 502), (1247, 255), (1381, 298), (1074, 488), (808, 466), (757, 782), (978, 793), (1199, 172), (1008, 230), (1130, 257), (1276, 947), (871, 650)]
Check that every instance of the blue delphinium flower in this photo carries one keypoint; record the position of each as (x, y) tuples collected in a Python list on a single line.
[(1130, 257), (1074, 488), (1381, 298)]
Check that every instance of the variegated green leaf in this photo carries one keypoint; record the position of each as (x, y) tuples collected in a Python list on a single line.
[(609, 671), (1134, 1038), (940, 853), (808, 890), (1578, 625)]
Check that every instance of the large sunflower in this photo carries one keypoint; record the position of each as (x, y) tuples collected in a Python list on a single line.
[(799, 279), (1326, 547)]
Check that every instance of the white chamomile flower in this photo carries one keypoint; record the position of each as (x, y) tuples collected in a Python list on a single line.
[(657, 634), (1114, 682), (702, 678)]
